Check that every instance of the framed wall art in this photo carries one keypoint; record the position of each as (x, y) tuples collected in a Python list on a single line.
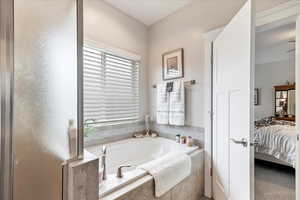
[(173, 64), (256, 96)]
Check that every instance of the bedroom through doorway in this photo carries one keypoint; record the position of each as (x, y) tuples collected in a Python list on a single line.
[(275, 134)]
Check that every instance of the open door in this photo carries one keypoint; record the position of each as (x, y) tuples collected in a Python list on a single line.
[(298, 107), (232, 104)]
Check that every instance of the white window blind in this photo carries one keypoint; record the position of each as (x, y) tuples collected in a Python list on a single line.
[(111, 87)]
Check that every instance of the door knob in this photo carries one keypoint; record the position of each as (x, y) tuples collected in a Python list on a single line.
[(243, 141), (255, 142)]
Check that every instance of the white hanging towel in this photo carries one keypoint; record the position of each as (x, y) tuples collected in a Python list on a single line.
[(177, 104), (168, 171), (162, 115)]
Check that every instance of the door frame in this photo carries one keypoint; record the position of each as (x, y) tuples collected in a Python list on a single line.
[(6, 88), (280, 15)]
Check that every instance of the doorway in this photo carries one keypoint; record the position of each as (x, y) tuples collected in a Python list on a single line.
[(275, 133), (261, 24)]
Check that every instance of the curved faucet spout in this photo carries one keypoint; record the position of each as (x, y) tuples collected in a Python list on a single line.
[(103, 163), (104, 149)]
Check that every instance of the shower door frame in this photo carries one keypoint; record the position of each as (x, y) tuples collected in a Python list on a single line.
[(6, 101), (7, 96)]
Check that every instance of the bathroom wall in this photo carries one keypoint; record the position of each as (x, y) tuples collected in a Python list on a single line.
[(182, 29), (109, 26), (185, 29), (267, 75)]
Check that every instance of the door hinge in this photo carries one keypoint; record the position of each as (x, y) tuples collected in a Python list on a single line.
[(297, 137), (211, 172)]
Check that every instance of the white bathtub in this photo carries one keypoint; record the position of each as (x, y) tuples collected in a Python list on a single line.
[(133, 152)]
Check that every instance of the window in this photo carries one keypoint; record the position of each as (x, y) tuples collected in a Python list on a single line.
[(111, 87)]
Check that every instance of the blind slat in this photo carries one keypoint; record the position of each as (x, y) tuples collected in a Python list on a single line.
[(115, 120)]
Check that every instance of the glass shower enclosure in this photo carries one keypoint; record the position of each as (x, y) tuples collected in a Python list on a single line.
[(40, 57)]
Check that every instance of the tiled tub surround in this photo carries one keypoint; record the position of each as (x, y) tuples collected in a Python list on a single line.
[(168, 131), (190, 188), (138, 151), (83, 180), (107, 134)]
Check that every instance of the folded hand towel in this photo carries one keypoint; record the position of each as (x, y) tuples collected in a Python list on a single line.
[(168, 171), (162, 116), (177, 104)]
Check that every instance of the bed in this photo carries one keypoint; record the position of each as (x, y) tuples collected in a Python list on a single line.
[(277, 144)]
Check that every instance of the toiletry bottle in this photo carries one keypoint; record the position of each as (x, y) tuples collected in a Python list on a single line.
[(72, 132), (183, 139), (190, 141), (177, 139), (147, 124)]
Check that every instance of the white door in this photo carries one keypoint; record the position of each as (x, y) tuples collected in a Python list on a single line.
[(298, 106), (232, 104)]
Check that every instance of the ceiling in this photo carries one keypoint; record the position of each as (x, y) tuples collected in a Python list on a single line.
[(148, 11), (276, 37), (273, 45), (152, 11)]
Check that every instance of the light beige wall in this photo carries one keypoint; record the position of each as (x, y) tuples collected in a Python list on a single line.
[(268, 75), (185, 29), (107, 25)]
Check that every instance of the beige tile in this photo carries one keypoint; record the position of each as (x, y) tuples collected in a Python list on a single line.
[(84, 180), (166, 196), (144, 192), (182, 190)]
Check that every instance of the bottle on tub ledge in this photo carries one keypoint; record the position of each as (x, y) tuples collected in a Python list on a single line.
[(147, 125), (72, 138), (182, 139), (190, 141), (177, 139)]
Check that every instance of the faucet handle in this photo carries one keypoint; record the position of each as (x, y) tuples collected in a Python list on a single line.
[(119, 172)]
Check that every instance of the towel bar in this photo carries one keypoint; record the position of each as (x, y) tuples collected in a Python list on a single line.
[(192, 82)]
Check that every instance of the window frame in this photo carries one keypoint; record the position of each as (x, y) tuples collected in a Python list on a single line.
[(117, 52)]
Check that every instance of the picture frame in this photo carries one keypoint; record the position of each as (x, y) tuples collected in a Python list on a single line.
[(173, 64), (256, 96)]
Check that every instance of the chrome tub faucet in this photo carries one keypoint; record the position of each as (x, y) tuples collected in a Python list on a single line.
[(119, 172), (103, 162)]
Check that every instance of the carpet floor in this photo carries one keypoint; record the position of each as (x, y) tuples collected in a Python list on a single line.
[(274, 182)]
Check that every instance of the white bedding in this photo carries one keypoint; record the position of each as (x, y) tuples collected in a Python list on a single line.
[(278, 141)]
